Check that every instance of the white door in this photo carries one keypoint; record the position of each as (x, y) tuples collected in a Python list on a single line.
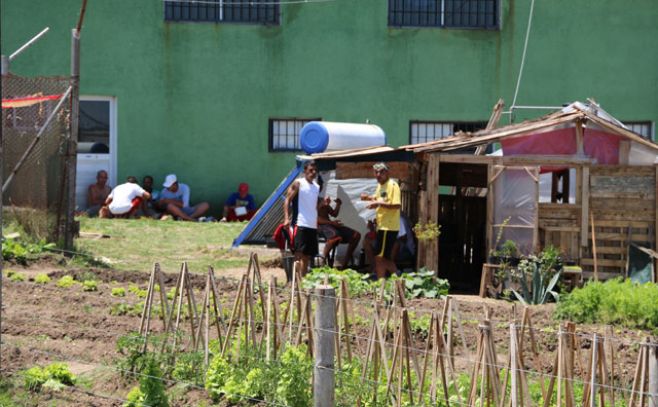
[(97, 144)]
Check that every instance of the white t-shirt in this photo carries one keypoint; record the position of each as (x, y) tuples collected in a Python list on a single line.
[(307, 200), (122, 196)]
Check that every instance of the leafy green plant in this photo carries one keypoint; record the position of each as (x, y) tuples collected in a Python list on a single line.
[(135, 398), (429, 231), (16, 277), (418, 284), (66, 282), (615, 302), (140, 293), (90, 285), (423, 283), (294, 387), (189, 368), (152, 386), (118, 292), (34, 378), (21, 252), (42, 278), (357, 283), (539, 287), (53, 376)]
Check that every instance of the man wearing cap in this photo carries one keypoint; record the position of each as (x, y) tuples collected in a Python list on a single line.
[(386, 203), (175, 200), (240, 205), (307, 192)]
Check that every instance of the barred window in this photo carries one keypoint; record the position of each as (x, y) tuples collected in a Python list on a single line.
[(284, 133), (424, 131), (443, 13), (644, 129), (223, 11)]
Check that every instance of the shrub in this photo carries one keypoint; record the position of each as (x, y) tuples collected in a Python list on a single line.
[(42, 278), (294, 387), (118, 292), (89, 285), (612, 302), (66, 282)]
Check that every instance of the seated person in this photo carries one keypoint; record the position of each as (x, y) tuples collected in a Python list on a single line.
[(334, 230), (149, 206), (124, 200), (404, 248), (175, 200), (97, 193), (240, 205)]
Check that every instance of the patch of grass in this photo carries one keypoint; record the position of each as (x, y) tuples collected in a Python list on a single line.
[(614, 302), (169, 243)]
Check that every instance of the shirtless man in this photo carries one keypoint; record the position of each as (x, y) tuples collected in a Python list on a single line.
[(334, 230), (97, 193)]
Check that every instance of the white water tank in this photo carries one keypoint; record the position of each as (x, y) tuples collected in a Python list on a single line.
[(317, 137)]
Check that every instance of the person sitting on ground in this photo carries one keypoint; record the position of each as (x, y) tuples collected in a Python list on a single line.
[(97, 193), (149, 206), (175, 200), (239, 206), (124, 200), (335, 232)]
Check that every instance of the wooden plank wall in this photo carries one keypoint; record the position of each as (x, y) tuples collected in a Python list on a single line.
[(622, 202), (559, 226)]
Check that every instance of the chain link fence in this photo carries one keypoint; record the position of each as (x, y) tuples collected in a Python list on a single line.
[(35, 158)]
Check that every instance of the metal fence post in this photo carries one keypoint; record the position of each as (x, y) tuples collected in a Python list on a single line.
[(71, 153), (653, 373), (4, 64), (325, 327)]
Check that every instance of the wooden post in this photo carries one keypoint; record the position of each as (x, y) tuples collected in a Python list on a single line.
[(432, 253), (596, 264), (653, 373), (584, 205), (325, 318)]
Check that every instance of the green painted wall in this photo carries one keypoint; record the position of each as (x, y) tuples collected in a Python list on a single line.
[(195, 98)]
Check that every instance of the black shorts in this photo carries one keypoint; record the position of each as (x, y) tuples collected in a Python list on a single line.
[(385, 241), (306, 241)]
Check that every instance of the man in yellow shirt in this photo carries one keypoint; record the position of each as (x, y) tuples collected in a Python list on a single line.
[(386, 203)]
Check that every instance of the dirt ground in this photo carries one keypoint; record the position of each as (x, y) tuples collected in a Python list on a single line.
[(43, 323)]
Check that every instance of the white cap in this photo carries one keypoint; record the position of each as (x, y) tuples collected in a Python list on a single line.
[(169, 180)]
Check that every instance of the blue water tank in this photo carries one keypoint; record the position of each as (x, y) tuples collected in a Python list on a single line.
[(317, 137)]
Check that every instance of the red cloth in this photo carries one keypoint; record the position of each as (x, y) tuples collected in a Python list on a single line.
[(281, 235)]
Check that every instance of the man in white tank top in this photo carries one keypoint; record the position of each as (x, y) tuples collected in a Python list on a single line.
[(307, 192)]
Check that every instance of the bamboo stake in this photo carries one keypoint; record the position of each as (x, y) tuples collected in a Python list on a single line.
[(164, 303), (234, 311)]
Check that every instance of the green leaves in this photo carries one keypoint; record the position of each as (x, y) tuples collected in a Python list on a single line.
[(54, 376), (615, 302)]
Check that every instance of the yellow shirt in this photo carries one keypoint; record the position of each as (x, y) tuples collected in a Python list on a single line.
[(387, 218)]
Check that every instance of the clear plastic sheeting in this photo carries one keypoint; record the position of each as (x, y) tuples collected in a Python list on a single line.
[(515, 206)]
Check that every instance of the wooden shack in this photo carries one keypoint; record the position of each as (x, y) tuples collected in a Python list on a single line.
[(576, 179)]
